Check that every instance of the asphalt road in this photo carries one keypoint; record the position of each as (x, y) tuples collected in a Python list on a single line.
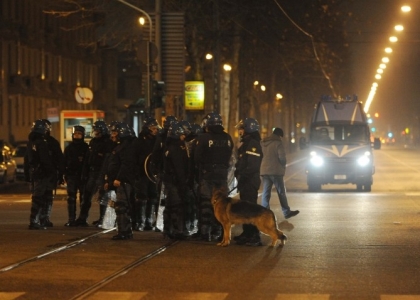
[(344, 244)]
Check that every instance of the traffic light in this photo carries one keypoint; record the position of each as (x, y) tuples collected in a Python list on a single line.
[(158, 91)]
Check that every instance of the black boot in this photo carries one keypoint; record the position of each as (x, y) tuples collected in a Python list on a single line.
[(46, 210), (123, 227), (246, 234), (71, 209), (140, 215), (36, 210), (255, 239), (102, 210)]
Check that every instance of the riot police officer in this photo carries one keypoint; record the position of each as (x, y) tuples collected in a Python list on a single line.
[(212, 154), (175, 179), (74, 157), (57, 157), (145, 189), (248, 174), (40, 171), (120, 176), (99, 147)]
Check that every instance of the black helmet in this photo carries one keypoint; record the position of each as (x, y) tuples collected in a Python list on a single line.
[(249, 125), (39, 126), (187, 127), (176, 130), (123, 129), (196, 129), (213, 119), (47, 124), (168, 121), (150, 121), (79, 128), (101, 127)]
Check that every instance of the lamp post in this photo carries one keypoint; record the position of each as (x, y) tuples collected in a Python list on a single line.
[(148, 47)]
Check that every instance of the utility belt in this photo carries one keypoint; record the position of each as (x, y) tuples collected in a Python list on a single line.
[(215, 171)]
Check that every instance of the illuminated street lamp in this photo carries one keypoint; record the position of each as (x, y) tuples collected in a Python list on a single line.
[(385, 60), (393, 39), (388, 50), (406, 8), (399, 27)]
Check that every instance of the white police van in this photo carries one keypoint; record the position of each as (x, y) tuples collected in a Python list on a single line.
[(339, 146)]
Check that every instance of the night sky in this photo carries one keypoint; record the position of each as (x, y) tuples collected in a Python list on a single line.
[(398, 96)]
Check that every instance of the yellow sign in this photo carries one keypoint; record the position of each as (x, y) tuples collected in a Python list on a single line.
[(194, 95)]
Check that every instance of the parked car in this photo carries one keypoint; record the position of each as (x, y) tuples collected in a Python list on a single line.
[(18, 156), (7, 165)]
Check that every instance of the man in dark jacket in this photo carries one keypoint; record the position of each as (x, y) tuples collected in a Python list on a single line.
[(74, 157), (57, 157), (40, 171), (273, 168), (99, 147), (248, 174), (120, 176), (145, 203), (212, 154), (175, 179)]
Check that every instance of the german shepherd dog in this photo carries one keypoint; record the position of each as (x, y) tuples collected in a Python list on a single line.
[(230, 212)]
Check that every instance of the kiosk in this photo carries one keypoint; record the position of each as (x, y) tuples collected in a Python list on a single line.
[(70, 118)]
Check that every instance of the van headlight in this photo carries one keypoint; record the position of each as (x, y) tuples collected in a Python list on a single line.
[(364, 160), (316, 160)]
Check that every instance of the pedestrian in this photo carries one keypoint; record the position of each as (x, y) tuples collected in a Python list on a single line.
[(99, 147), (212, 154), (175, 180), (247, 172), (74, 157), (145, 190), (120, 177), (39, 171), (273, 168), (57, 158)]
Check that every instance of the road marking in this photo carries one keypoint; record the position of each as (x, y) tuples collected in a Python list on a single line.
[(10, 296)]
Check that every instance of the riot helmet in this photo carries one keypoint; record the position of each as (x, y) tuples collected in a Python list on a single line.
[(78, 128), (39, 126), (176, 130), (122, 129), (48, 125), (187, 126), (249, 125), (196, 129), (168, 121), (213, 119), (101, 127)]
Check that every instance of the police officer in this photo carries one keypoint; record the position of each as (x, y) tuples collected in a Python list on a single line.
[(157, 160), (57, 157), (99, 147), (40, 171), (120, 176), (74, 157), (248, 174), (212, 154), (145, 189), (175, 179)]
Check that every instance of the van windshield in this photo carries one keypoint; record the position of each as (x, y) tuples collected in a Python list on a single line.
[(340, 134)]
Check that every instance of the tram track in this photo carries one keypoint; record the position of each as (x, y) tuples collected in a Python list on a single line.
[(127, 268), (53, 251)]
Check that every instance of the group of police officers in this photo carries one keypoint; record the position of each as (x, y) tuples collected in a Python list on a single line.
[(176, 166)]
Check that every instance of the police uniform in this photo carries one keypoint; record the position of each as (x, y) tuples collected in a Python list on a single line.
[(248, 174), (175, 179), (212, 154), (145, 203), (74, 156), (39, 170), (121, 169)]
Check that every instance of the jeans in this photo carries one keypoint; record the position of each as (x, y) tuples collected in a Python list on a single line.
[(278, 181)]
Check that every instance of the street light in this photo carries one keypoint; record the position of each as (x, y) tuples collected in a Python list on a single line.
[(148, 45)]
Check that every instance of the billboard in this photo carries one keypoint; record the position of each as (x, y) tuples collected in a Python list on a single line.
[(194, 95)]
